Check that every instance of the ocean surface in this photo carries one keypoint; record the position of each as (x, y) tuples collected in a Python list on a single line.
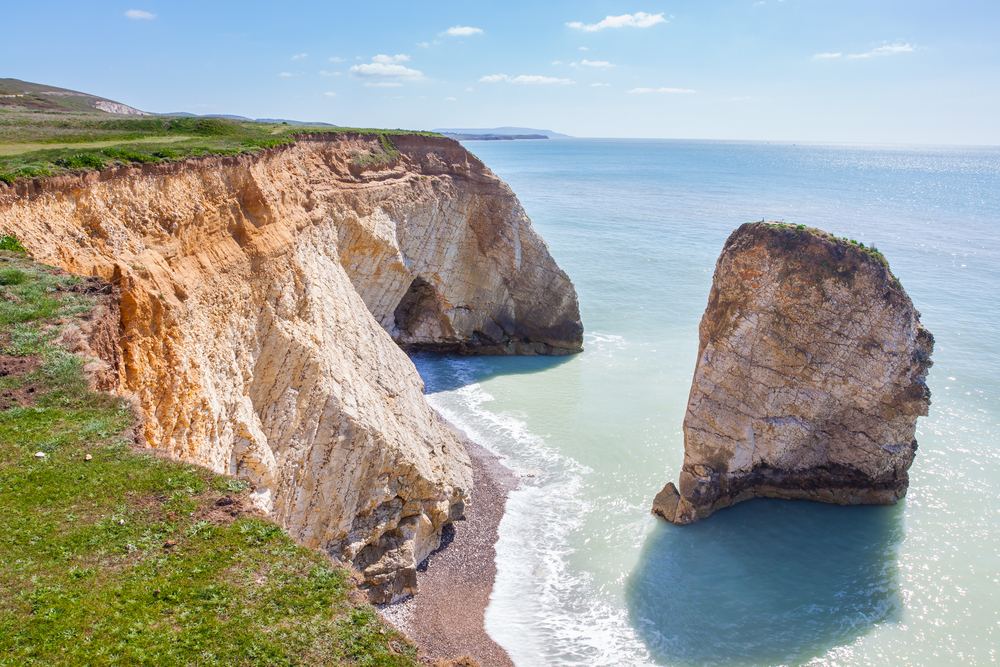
[(586, 576)]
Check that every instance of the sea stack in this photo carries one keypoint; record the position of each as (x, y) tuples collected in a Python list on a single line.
[(809, 381)]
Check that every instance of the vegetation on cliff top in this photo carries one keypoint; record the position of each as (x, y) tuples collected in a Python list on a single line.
[(39, 143), (128, 558)]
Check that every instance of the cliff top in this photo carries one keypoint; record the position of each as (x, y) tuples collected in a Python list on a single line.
[(43, 143)]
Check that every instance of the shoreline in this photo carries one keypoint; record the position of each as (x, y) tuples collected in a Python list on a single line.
[(446, 618)]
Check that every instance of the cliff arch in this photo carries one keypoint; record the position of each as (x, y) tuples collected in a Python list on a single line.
[(419, 317)]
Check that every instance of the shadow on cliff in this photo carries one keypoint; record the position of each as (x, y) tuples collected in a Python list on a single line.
[(448, 372), (766, 582)]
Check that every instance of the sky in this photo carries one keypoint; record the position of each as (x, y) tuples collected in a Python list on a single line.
[(910, 72)]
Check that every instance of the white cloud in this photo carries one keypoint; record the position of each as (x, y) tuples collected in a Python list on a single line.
[(335, 59), (821, 56), (557, 62), (451, 99), (386, 67), (382, 84), (584, 48), (323, 72), (596, 63), (139, 14), (463, 31), (288, 74), (599, 85), (391, 60), (637, 20), (300, 56), (423, 45), (886, 50), (524, 78), (661, 90), (469, 90), (329, 94)]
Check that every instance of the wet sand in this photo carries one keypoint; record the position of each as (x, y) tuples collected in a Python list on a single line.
[(446, 617)]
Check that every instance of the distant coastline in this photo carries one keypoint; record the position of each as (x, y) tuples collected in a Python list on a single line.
[(492, 137)]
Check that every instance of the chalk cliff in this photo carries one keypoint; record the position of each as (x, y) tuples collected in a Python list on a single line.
[(261, 296), (809, 381)]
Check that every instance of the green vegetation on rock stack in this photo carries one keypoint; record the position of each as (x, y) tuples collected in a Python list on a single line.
[(130, 559)]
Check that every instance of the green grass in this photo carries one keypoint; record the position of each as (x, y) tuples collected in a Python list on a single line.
[(45, 143), (125, 559)]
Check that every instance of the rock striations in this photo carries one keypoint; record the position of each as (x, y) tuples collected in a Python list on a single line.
[(260, 300), (809, 381)]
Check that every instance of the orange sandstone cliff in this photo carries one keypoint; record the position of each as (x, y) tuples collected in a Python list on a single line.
[(264, 300)]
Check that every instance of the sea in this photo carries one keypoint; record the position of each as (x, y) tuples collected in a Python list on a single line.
[(585, 574)]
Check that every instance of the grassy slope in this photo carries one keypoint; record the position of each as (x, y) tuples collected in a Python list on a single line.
[(65, 136), (128, 559)]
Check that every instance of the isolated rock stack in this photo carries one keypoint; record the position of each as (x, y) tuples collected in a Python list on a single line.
[(809, 381)]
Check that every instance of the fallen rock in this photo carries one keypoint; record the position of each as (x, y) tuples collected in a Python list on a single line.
[(809, 381)]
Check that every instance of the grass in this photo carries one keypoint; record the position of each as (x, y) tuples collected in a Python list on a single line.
[(127, 558), (869, 251), (42, 143)]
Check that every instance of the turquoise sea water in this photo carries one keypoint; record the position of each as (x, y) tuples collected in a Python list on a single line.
[(586, 576)]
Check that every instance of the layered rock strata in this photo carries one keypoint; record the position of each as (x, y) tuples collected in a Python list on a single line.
[(809, 381), (260, 299)]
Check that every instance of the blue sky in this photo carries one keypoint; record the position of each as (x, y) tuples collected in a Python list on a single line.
[(904, 72)]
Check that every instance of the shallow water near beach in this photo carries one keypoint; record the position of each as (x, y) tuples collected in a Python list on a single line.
[(586, 576)]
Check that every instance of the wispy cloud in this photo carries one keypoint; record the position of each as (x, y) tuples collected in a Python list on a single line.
[(600, 85), (390, 60), (382, 84), (323, 72), (300, 56), (596, 63), (138, 14), (557, 62), (463, 31), (423, 45), (336, 59), (451, 99), (584, 48), (329, 94), (469, 90), (821, 56), (887, 50), (661, 90), (524, 78), (289, 74), (386, 67), (637, 20)]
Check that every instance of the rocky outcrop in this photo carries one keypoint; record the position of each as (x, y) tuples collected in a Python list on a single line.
[(809, 381), (260, 296)]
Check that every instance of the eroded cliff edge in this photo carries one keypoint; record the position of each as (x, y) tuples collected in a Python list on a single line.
[(809, 380), (261, 298)]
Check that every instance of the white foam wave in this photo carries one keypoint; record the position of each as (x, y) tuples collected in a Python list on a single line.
[(544, 610)]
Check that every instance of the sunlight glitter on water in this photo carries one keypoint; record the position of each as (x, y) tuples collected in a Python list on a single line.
[(585, 575)]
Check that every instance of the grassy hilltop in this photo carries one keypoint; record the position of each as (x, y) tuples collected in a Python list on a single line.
[(47, 134)]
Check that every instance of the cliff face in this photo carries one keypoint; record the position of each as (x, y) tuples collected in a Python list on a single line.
[(809, 381), (260, 298)]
